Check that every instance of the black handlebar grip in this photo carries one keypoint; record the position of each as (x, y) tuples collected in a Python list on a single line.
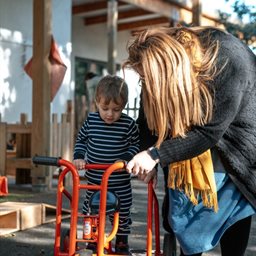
[(46, 160)]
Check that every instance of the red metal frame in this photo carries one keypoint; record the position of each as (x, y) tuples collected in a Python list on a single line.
[(153, 209)]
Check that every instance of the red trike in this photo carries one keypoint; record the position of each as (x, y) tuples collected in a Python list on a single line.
[(101, 203)]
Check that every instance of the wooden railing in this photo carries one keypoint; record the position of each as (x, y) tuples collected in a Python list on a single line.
[(18, 161), (132, 111), (10, 159)]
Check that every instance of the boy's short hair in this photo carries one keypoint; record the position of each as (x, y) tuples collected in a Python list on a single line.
[(112, 88)]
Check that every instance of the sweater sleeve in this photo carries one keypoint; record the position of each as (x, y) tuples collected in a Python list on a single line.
[(231, 88), (133, 140)]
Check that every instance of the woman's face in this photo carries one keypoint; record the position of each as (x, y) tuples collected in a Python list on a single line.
[(110, 112)]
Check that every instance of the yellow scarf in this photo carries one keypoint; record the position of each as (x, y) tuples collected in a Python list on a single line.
[(195, 177)]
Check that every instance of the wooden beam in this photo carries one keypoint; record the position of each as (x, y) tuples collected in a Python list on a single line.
[(84, 8), (143, 23), (172, 10), (19, 128), (121, 15), (196, 10), (157, 6), (22, 163), (90, 7), (164, 8), (3, 136)]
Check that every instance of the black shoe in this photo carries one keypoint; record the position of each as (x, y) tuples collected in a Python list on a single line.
[(93, 247), (122, 248)]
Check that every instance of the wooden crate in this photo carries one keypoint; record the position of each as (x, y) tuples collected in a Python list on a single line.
[(15, 216), (9, 220), (49, 213), (19, 216)]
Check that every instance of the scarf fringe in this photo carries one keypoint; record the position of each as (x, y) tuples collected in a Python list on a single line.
[(177, 180)]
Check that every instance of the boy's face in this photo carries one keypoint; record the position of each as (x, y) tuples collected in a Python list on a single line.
[(109, 113)]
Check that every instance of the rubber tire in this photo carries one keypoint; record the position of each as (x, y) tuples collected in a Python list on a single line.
[(170, 245)]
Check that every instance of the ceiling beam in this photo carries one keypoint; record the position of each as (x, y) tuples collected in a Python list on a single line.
[(164, 8), (156, 6), (90, 7), (143, 23), (121, 15), (170, 10)]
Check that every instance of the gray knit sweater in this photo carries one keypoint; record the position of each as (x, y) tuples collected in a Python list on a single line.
[(233, 127)]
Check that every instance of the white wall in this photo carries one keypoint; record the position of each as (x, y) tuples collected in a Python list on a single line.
[(91, 42), (61, 27), (15, 45), (16, 36)]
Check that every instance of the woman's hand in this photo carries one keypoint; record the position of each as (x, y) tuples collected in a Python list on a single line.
[(141, 164), (148, 177), (79, 164)]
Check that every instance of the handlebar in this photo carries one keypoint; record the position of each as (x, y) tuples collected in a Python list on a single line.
[(46, 160), (58, 161)]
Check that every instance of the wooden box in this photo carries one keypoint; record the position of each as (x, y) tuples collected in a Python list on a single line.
[(15, 216), (19, 216)]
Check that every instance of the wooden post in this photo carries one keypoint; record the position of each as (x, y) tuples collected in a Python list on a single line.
[(71, 120), (3, 141), (42, 10), (23, 142), (196, 15), (82, 110), (53, 146), (65, 143), (112, 35)]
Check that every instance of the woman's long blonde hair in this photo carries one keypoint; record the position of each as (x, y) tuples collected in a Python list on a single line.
[(174, 68)]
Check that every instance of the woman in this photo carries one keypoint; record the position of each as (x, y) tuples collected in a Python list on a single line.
[(199, 96)]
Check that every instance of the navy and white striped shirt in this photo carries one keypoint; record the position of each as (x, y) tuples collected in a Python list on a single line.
[(99, 142)]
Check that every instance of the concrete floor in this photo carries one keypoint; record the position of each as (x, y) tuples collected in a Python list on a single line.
[(40, 239)]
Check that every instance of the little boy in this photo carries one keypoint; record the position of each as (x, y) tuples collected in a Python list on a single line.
[(107, 136)]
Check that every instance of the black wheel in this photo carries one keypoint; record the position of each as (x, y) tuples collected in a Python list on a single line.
[(170, 246), (64, 240)]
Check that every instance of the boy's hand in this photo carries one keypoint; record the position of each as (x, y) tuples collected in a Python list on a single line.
[(79, 164)]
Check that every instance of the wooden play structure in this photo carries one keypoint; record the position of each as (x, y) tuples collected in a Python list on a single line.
[(17, 161)]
